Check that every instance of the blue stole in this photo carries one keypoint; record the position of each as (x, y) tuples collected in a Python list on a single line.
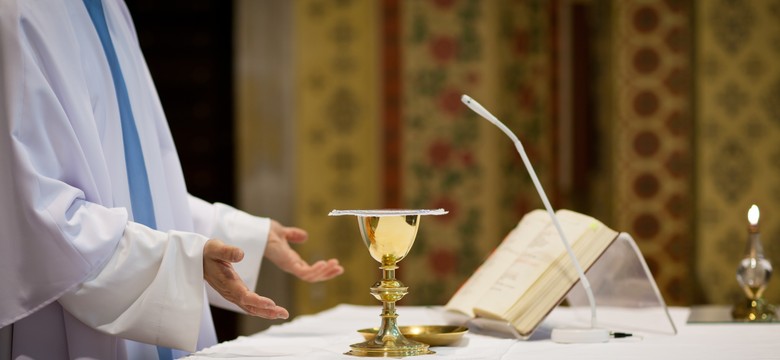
[(138, 181)]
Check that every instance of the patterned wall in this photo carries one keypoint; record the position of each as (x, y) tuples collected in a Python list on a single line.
[(738, 127), (690, 112), (651, 129), (497, 52), (337, 121)]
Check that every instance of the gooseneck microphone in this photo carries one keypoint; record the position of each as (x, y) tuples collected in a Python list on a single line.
[(567, 335)]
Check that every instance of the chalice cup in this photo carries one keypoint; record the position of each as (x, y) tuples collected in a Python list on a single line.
[(388, 235)]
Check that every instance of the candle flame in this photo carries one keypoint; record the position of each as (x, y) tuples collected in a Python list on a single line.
[(753, 215)]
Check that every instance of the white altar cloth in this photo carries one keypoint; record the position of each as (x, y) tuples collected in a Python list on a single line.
[(327, 335)]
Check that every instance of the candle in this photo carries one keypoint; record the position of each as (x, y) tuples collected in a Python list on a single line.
[(753, 274), (753, 215)]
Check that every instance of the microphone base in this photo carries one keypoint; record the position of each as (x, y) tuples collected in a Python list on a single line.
[(579, 335)]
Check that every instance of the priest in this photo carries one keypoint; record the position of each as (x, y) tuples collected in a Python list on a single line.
[(103, 253)]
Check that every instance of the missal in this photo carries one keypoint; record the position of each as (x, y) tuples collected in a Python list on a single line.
[(530, 272)]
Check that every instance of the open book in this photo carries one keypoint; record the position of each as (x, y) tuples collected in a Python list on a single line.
[(530, 272)]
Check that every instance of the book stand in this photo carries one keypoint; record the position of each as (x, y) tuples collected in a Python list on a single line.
[(620, 279)]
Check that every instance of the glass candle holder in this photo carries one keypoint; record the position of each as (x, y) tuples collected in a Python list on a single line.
[(753, 274)]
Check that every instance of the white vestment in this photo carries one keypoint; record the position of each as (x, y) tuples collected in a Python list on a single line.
[(77, 275)]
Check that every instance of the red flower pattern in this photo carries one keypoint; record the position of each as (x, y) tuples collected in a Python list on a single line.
[(443, 49), (472, 78), (442, 262), (467, 159), (452, 158), (449, 102), (526, 98), (522, 43), (439, 153), (443, 4)]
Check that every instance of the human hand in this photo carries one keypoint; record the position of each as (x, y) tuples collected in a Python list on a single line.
[(219, 273), (278, 250)]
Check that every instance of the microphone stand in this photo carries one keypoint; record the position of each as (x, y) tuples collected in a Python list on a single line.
[(567, 335)]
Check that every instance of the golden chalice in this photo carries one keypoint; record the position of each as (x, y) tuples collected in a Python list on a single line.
[(389, 235)]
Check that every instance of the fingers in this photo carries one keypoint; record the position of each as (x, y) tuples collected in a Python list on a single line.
[(335, 269), (331, 270), (222, 277), (216, 249), (260, 306), (230, 253), (278, 250), (219, 273), (319, 271), (295, 235)]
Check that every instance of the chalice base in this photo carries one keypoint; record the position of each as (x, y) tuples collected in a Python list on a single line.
[(754, 310), (399, 348)]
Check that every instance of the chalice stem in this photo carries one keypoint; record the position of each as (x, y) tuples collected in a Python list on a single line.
[(389, 324), (388, 272)]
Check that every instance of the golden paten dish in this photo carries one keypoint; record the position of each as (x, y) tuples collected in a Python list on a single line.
[(433, 335)]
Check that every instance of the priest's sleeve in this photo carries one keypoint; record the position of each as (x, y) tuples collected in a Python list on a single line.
[(150, 291)]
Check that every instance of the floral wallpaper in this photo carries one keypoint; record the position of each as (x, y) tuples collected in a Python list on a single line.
[(687, 95), (737, 131), (496, 52)]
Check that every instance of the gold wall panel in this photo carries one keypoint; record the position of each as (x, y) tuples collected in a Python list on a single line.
[(337, 157), (737, 132)]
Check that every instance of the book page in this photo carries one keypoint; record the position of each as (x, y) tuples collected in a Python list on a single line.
[(470, 293), (531, 263), (559, 277)]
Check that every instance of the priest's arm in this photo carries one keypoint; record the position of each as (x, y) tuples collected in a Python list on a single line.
[(257, 237), (151, 288)]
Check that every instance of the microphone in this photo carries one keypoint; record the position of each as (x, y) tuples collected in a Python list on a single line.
[(569, 335)]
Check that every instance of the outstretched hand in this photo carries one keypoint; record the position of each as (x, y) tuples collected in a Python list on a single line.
[(278, 250), (219, 273)]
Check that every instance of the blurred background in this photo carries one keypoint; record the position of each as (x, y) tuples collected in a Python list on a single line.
[(661, 118)]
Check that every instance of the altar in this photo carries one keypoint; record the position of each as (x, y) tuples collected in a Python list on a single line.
[(328, 334)]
